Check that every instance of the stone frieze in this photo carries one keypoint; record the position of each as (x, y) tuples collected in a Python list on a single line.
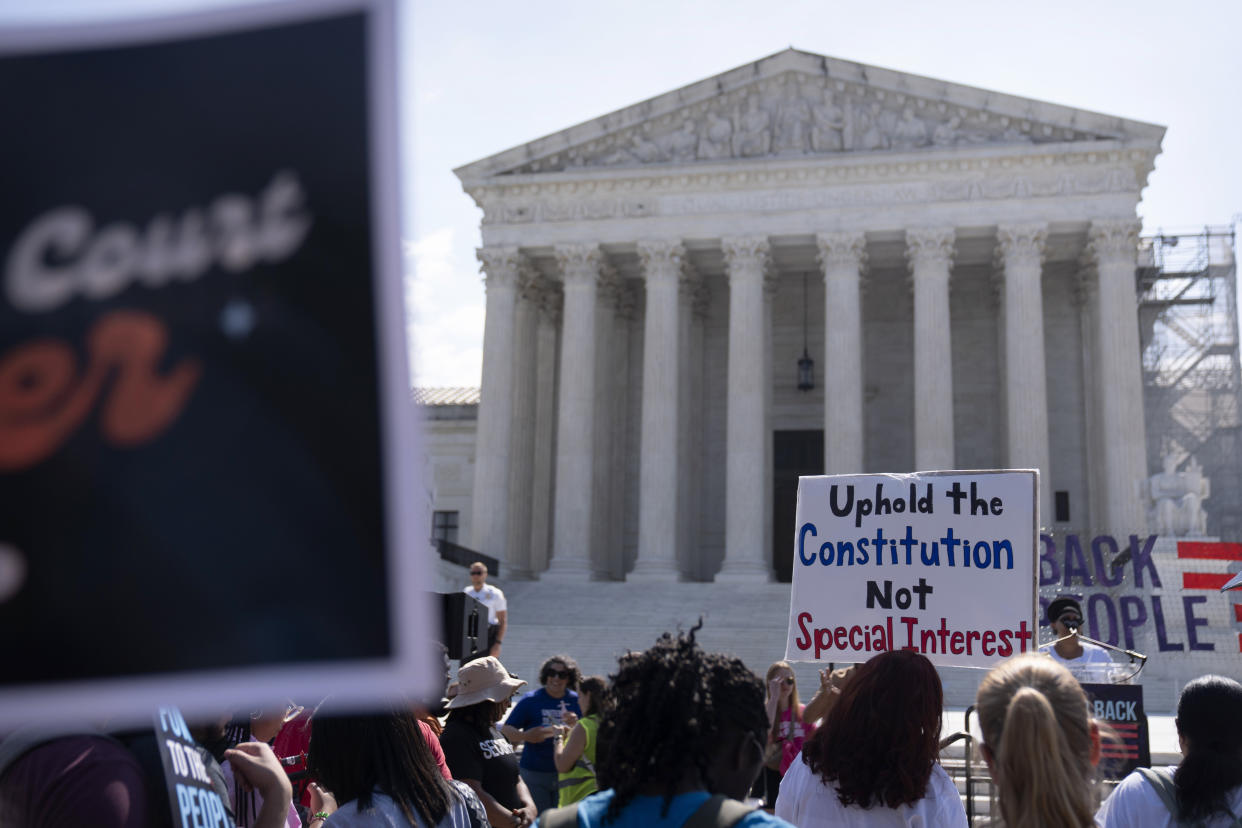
[(677, 196), (795, 114)]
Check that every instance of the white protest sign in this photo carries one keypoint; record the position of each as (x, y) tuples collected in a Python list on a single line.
[(942, 563)]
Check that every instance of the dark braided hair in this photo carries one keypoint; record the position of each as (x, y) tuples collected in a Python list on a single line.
[(671, 706)]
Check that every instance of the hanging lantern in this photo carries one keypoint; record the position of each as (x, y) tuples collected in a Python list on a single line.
[(806, 365), (806, 372)]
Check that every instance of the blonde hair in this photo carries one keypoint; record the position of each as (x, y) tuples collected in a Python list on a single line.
[(1036, 723), (794, 704)]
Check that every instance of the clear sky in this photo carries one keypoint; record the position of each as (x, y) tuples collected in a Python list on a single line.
[(480, 77)]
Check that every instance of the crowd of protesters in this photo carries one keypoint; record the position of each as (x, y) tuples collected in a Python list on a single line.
[(676, 736)]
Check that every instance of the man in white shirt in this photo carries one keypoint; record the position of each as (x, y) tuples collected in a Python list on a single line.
[(1085, 660), (497, 609)]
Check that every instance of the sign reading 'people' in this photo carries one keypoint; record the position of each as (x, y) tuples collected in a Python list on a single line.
[(942, 563), (205, 437)]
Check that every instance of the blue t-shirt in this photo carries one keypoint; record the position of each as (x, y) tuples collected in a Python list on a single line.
[(537, 709), (644, 811)]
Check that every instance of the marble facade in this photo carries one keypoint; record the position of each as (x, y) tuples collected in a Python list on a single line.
[(972, 304)]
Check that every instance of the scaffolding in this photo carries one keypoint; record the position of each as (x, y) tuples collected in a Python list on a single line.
[(1188, 318)]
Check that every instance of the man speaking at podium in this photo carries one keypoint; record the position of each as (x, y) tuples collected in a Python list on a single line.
[(1081, 657)]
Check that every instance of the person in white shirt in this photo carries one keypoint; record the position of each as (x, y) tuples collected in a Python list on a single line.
[(1088, 662), (1206, 788), (497, 608), (873, 762)]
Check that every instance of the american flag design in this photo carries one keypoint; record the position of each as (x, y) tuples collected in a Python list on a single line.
[(1213, 580)]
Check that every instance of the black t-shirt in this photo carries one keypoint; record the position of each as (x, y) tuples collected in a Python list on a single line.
[(485, 755)]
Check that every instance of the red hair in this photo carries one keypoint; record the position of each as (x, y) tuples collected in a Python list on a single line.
[(881, 738)]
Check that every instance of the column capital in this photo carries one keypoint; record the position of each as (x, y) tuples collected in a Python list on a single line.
[(501, 265), (843, 249), (746, 255), (1021, 243), (699, 296), (579, 263), (661, 258), (1086, 282), (930, 247), (610, 285), (690, 278), (626, 301), (1112, 240), (530, 282), (551, 299)]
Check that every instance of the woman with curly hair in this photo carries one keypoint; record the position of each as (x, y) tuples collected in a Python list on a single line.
[(1206, 788), (873, 762), (536, 720), (685, 734), (1040, 744)]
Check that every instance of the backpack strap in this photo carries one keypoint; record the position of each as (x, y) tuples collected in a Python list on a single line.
[(718, 812), (1162, 781), (566, 817)]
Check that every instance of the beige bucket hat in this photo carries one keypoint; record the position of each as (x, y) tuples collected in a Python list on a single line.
[(484, 679)]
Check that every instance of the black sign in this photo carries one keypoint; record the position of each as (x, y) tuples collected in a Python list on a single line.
[(201, 356), (190, 794), (1120, 706)]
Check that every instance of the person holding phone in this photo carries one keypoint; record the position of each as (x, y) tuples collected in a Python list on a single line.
[(536, 720)]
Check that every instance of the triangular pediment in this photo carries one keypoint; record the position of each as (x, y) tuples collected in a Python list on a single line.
[(797, 104)]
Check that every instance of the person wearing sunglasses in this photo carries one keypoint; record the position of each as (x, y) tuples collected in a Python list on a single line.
[(1065, 617), (497, 608), (537, 719), (788, 727)]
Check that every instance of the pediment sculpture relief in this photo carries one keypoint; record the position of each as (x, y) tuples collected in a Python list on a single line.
[(794, 115)]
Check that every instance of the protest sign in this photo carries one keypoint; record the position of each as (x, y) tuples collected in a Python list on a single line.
[(942, 563), (1120, 706), (207, 457), (1156, 595), (190, 793)]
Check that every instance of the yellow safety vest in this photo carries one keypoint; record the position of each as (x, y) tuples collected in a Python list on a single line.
[(579, 783)]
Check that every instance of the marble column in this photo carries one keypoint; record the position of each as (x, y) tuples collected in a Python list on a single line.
[(842, 256), (691, 312), (1021, 254), (490, 502), (658, 454), (575, 438), (746, 263), (611, 393), (1113, 245), (1087, 303), (771, 283), (522, 428), (930, 253), (543, 480)]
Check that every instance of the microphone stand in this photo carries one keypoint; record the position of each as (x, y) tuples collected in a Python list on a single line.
[(1133, 656)]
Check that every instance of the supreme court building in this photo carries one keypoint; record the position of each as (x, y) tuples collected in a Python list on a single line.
[(958, 264)]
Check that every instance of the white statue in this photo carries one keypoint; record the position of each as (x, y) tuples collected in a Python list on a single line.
[(681, 145), (827, 126), (1176, 498), (754, 131), (792, 117), (715, 142), (910, 132), (946, 133)]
